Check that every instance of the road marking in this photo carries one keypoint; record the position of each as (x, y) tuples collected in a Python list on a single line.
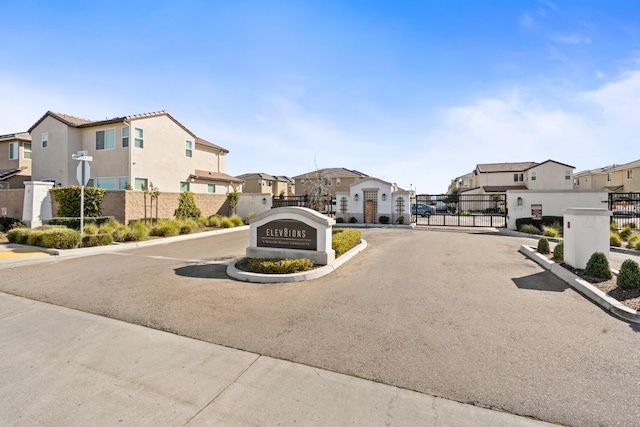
[(225, 261)]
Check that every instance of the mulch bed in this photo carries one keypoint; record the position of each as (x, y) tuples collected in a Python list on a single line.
[(628, 297)]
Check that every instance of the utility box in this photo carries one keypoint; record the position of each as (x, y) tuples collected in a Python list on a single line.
[(586, 230)]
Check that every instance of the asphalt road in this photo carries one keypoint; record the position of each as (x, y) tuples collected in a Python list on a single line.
[(460, 315)]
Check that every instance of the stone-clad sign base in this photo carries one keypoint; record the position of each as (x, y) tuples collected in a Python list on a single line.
[(291, 232)]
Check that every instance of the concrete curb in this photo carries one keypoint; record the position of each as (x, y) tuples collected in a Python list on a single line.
[(612, 305), (144, 243), (246, 276)]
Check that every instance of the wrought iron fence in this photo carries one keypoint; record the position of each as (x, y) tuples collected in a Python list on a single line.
[(460, 210), (625, 208)]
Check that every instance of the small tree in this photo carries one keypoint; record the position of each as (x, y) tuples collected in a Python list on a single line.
[(598, 266), (543, 245), (629, 277), (187, 206), (232, 198)]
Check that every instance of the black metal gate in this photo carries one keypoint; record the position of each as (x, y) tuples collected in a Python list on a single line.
[(625, 208), (460, 210), (321, 203)]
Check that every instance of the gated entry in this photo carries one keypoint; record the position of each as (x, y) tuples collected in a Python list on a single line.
[(460, 210)]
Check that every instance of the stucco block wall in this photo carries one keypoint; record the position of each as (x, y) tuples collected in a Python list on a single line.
[(553, 202), (13, 200)]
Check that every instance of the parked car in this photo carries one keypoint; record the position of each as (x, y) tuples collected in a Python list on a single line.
[(422, 209), (625, 208), (441, 207)]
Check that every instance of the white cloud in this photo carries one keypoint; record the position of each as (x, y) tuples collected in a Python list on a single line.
[(570, 39), (526, 21)]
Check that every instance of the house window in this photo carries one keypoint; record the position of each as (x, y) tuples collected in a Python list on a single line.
[(123, 182), (533, 175), (188, 148), (106, 139), (567, 175), (91, 183), (269, 183), (45, 140), (141, 184), (338, 181), (609, 177), (211, 188), (327, 181), (630, 174), (184, 186), (139, 139), (26, 150), (125, 137), (302, 181), (518, 177), (576, 181), (343, 205), (106, 183), (400, 205), (13, 151)]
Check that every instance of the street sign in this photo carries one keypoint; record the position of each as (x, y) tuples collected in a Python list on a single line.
[(83, 172)]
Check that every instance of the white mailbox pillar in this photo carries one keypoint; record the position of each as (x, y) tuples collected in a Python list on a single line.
[(586, 230), (36, 208)]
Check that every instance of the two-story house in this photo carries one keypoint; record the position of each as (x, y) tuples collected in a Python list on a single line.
[(129, 152), (326, 182), (264, 183), (497, 178), (624, 178), (15, 160)]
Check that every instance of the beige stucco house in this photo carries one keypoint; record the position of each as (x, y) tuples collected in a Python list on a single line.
[(264, 183), (129, 152), (624, 178), (496, 178), (15, 160), (326, 182)]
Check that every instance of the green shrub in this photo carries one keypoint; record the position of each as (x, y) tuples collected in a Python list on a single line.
[(530, 229), (637, 245), (185, 228), (383, 219), (549, 231), (226, 222), (344, 239), (214, 221), (546, 220), (166, 228), (75, 222), (598, 266), (60, 238), (400, 220), (68, 199), (634, 239), (139, 231), (97, 240), (339, 220), (8, 223), (35, 238), (109, 227), (353, 220), (625, 233), (614, 239), (90, 229), (18, 235), (629, 275), (236, 220), (249, 217), (187, 206), (543, 245), (558, 251), (274, 265)]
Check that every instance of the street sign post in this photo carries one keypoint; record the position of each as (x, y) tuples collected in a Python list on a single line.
[(82, 174)]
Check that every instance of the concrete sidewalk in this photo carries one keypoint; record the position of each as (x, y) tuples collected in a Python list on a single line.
[(64, 367)]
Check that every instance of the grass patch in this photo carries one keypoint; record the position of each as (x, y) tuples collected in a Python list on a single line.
[(274, 265)]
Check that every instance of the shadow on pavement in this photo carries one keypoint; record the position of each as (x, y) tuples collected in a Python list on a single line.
[(635, 327), (204, 271), (543, 281)]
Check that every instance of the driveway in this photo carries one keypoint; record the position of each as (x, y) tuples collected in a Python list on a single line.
[(460, 315)]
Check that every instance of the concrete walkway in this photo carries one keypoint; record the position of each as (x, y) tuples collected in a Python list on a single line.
[(64, 367)]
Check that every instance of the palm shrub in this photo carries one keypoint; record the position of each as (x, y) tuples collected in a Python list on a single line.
[(598, 266), (90, 229), (558, 251), (625, 233), (187, 206), (629, 275), (214, 221), (543, 245), (614, 239), (139, 231), (166, 228), (634, 239), (226, 222)]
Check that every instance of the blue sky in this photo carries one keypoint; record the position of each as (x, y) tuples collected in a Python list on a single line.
[(413, 92)]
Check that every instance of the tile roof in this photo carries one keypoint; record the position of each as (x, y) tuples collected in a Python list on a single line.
[(84, 123), (504, 167), (257, 175), (332, 173), (502, 188), (8, 173), (214, 176), (24, 136)]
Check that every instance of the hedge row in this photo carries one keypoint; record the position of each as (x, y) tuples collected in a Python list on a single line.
[(275, 265), (344, 239), (54, 237), (74, 222)]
